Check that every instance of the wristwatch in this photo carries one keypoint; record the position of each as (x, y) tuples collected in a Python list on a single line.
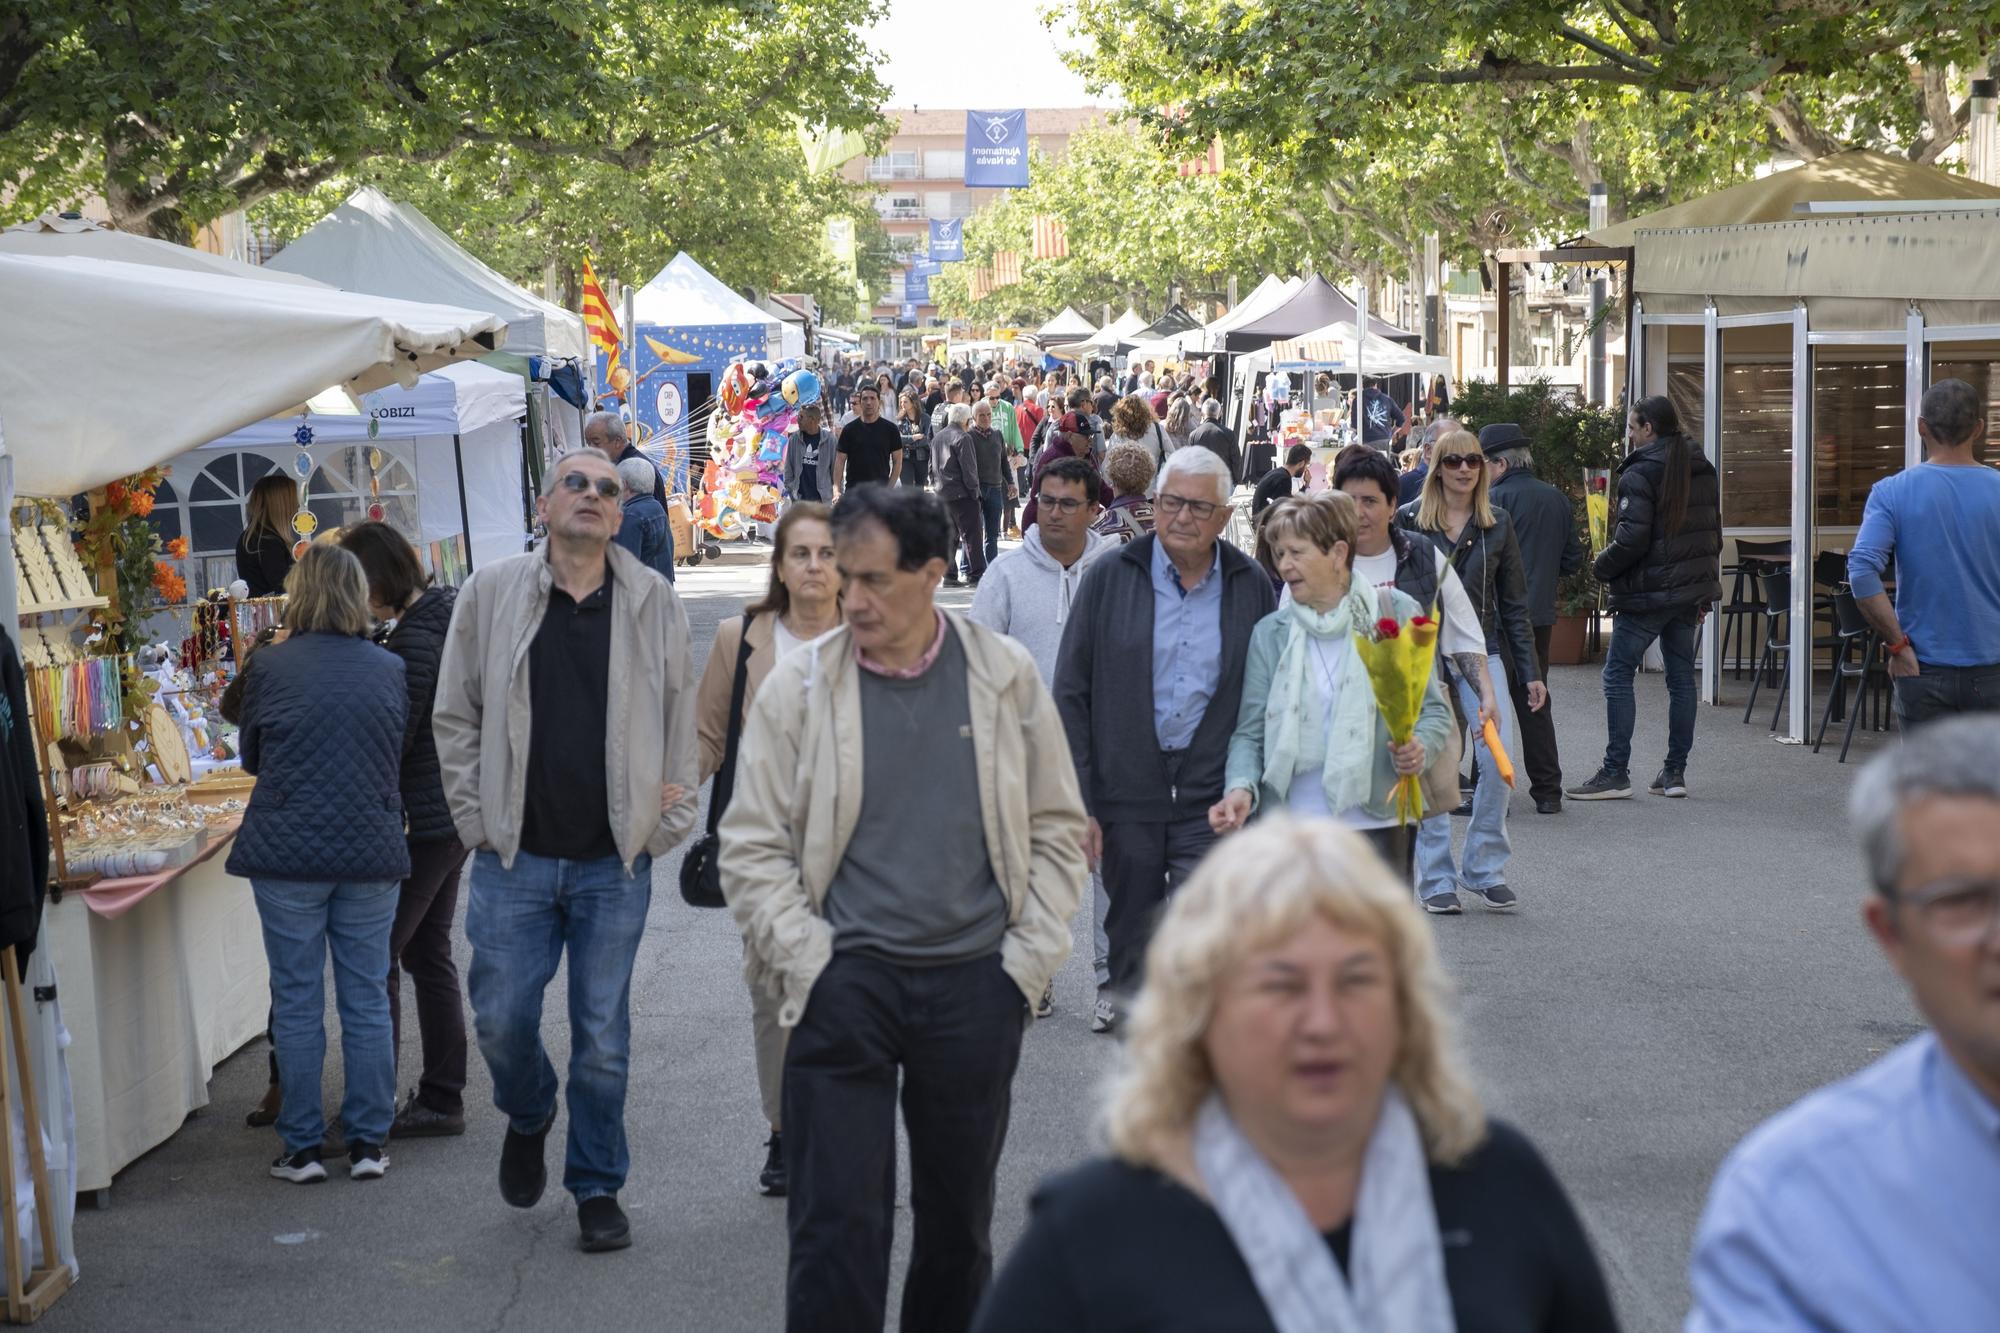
[(1898, 646)]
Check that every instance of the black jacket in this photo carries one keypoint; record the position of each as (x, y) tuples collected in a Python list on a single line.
[(1488, 561), (1649, 571), (264, 562), (24, 855), (323, 725), (419, 640), (1219, 441), (1545, 525), (1104, 688)]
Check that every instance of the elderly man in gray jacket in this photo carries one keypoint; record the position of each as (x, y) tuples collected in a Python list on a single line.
[(809, 451), (566, 737)]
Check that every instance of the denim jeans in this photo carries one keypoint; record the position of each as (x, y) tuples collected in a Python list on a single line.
[(519, 922), (1482, 864), (992, 503), (1945, 691), (302, 921), (1631, 635)]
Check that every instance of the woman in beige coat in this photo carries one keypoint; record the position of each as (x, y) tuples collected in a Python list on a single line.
[(803, 603)]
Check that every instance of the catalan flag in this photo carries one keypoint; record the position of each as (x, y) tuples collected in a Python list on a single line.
[(602, 326), (1051, 237), (1006, 267), (1208, 164), (979, 283)]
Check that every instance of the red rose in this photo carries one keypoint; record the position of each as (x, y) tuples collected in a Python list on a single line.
[(1386, 628), (1599, 483), (1419, 620)]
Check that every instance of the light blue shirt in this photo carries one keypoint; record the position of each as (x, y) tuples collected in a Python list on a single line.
[(1941, 527), (1187, 648), (1874, 1204)]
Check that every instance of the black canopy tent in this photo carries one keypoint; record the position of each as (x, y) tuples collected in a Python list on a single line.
[(1175, 320), (1314, 306)]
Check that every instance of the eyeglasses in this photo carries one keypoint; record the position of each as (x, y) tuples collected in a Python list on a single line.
[(607, 487), (1170, 505), (1066, 504), (1955, 913), (1460, 460)]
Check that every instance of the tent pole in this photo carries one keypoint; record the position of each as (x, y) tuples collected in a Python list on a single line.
[(464, 514), (1360, 347)]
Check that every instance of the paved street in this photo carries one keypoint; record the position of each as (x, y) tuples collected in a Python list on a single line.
[(1678, 970)]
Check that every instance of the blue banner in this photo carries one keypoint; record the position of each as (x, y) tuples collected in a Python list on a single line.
[(917, 286), (929, 268), (996, 150), (947, 239)]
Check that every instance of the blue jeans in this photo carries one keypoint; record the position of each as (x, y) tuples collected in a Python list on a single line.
[(1482, 864), (302, 920), (1631, 635), (519, 923), (992, 504)]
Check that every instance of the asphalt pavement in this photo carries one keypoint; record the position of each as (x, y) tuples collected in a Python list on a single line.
[(1677, 971)]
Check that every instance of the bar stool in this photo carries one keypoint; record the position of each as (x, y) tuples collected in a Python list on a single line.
[(1776, 584), (1743, 614), (1855, 641)]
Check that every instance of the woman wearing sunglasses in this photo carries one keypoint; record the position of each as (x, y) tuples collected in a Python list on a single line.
[(1454, 511)]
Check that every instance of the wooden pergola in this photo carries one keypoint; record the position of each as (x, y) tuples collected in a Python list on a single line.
[(1572, 253)]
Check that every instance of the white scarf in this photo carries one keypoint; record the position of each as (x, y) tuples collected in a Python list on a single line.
[(1347, 760), (1395, 1270)]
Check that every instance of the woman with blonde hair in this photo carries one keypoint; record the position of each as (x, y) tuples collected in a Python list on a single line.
[(1133, 422), (1478, 539), (264, 551), (1294, 1135)]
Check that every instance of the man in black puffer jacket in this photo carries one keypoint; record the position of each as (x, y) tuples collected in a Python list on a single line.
[(1663, 565)]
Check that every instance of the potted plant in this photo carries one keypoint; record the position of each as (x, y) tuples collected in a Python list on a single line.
[(1576, 603)]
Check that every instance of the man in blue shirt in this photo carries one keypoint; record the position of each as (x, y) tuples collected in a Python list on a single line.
[(1874, 1203), (1940, 523)]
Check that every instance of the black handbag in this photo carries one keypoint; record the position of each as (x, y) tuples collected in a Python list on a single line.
[(701, 869)]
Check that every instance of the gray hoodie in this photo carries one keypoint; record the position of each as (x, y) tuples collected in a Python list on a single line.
[(1026, 594)]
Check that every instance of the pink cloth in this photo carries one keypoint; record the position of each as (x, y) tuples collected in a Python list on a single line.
[(916, 668)]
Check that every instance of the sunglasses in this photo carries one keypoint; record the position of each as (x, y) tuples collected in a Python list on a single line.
[(1461, 460), (607, 487)]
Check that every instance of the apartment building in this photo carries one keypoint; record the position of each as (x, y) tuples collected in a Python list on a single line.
[(920, 175)]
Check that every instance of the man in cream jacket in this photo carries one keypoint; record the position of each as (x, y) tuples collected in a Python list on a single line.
[(903, 855)]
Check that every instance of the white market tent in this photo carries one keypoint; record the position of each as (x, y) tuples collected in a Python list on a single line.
[(373, 244), (1069, 326), (451, 457), (1339, 349), (1107, 341), (686, 295), (70, 234)]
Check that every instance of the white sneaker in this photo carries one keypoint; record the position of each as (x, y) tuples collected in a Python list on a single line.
[(365, 1161), (301, 1168), (1105, 1016), (1046, 1006)]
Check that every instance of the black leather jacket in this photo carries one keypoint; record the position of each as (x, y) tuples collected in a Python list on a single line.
[(1489, 564), (1648, 570)]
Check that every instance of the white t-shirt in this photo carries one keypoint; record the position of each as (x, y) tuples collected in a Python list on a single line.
[(1306, 798), (1460, 632), (783, 641)]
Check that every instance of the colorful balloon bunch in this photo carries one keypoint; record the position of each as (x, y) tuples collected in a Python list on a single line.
[(744, 477)]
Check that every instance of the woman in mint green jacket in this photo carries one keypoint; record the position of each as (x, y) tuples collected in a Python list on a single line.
[(1309, 737)]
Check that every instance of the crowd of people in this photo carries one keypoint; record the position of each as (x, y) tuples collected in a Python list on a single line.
[(1136, 712)]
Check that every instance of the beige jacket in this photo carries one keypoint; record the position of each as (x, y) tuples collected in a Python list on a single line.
[(711, 701), (798, 797), (481, 715)]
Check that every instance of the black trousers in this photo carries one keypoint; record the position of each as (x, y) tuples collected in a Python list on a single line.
[(954, 1034), (1143, 865), (1538, 730), (420, 944), (966, 515), (1397, 846)]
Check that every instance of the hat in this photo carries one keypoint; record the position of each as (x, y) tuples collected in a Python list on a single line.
[(1501, 436)]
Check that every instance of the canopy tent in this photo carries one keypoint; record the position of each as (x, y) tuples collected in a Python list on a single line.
[(1314, 305), (456, 436), (373, 244), (1265, 297), (1858, 175), (1110, 340), (1160, 338), (1066, 327), (1340, 350), (59, 234)]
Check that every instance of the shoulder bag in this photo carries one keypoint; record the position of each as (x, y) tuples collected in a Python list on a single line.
[(701, 870)]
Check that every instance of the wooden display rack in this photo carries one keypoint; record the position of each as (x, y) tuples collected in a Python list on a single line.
[(29, 1292)]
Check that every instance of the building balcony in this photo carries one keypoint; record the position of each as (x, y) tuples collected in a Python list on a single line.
[(882, 171)]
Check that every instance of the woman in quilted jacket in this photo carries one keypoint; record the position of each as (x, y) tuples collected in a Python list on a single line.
[(322, 845), (412, 616)]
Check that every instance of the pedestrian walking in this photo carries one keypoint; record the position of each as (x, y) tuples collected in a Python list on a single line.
[(1456, 512), (417, 614), (1007, 426), (644, 530), (1282, 482), (565, 728), (1295, 1143), (1213, 436), (1129, 470), (1939, 523), (906, 730), (959, 489), (1175, 609), (1068, 437), (801, 603), (1381, 419), (870, 448), (324, 718), (1663, 566), (1133, 422), (1179, 423), (1027, 595), (915, 428), (1310, 738), (1545, 526), (605, 432), (809, 452), (989, 449), (1871, 1204)]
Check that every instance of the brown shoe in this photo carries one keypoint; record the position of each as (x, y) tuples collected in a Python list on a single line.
[(266, 1111)]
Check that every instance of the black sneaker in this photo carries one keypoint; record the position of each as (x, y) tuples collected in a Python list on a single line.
[(771, 1180), (365, 1161), (301, 1168), (1605, 786), (1671, 782), (603, 1224), (1046, 1006), (1500, 898), (523, 1172), (1443, 904), (415, 1120)]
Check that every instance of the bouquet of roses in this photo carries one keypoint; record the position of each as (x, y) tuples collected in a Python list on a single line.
[(1400, 656)]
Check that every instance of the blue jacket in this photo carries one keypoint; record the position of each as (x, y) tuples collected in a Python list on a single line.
[(323, 722), (647, 534)]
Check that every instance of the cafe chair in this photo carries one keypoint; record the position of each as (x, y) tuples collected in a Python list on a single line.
[(1777, 643), (1743, 614), (1854, 659)]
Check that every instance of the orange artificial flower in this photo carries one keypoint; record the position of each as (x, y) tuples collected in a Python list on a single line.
[(178, 548), (142, 503), (114, 495), (170, 585)]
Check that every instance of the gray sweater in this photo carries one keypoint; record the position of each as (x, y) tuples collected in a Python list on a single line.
[(1026, 595)]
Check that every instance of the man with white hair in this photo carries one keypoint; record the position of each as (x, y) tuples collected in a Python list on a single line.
[(1873, 1203), (645, 531), (1177, 604), (605, 432)]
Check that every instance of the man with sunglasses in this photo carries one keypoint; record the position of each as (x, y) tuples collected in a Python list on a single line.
[(1148, 679), (1874, 1203), (565, 732)]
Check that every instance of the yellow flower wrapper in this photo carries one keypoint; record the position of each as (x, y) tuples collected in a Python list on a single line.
[(1400, 657)]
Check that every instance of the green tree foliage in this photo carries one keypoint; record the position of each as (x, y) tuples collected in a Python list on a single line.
[(178, 111)]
